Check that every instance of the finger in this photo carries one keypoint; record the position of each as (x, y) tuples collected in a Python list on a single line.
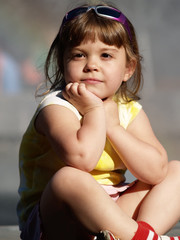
[(68, 90), (65, 91), (73, 89), (68, 86), (81, 89)]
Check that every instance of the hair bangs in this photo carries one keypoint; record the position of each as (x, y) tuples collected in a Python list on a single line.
[(91, 27)]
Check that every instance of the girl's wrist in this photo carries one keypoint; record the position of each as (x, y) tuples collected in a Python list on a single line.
[(95, 108), (113, 130)]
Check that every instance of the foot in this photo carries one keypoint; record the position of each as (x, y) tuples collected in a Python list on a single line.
[(105, 235)]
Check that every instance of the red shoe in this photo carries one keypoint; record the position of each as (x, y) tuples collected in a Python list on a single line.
[(105, 235)]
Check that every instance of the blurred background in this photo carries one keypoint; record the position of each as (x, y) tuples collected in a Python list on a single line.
[(27, 29)]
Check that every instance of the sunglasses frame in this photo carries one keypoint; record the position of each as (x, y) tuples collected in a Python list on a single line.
[(80, 10)]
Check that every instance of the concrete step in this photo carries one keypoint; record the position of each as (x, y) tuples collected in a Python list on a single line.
[(9, 232), (12, 232)]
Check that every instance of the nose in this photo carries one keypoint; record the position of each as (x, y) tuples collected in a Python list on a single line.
[(91, 65)]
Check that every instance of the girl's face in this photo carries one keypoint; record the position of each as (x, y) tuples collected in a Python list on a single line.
[(101, 67)]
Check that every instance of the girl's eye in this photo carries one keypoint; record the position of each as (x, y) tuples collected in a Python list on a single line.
[(78, 55), (106, 55)]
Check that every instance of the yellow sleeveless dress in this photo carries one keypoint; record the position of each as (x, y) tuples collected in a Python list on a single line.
[(38, 162)]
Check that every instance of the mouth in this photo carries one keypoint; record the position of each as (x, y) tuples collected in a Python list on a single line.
[(91, 81)]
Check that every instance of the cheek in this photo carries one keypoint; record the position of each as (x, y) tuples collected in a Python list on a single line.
[(68, 74), (71, 73), (116, 79)]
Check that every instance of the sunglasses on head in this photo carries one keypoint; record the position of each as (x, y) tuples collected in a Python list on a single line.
[(102, 11)]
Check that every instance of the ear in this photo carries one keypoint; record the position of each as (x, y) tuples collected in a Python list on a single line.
[(130, 68)]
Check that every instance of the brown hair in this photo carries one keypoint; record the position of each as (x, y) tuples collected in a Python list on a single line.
[(89, 26)]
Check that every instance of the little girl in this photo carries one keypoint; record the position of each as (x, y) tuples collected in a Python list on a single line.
[(86, 132)]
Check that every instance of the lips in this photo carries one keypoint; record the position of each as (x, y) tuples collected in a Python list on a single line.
[(91, 81)]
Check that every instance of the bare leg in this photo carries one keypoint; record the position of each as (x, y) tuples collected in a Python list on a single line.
[(75, 193), (131, 200), (160, 208), (164, 199)]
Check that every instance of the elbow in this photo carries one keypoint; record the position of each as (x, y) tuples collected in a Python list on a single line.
[(85, 163), (87, 168), (164, 166), (82, 161), (160, 176)]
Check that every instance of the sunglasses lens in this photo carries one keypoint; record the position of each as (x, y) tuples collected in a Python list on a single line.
[(75, 12), (103, 11), (108, 12)]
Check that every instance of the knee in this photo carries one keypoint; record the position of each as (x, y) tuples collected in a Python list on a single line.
[(68, 179), (64, 178)]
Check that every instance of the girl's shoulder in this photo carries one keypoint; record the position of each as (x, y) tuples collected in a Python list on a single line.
[(56, 98), (128, 111)]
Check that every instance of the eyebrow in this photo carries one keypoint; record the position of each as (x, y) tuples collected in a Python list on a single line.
[(101, 49), (109, 49)]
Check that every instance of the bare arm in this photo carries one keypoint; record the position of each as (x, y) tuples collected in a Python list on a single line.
[(78, 144), (137, 146)]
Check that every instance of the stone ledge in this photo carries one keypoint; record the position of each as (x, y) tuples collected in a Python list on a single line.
[(9, 233), (12, 232)]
